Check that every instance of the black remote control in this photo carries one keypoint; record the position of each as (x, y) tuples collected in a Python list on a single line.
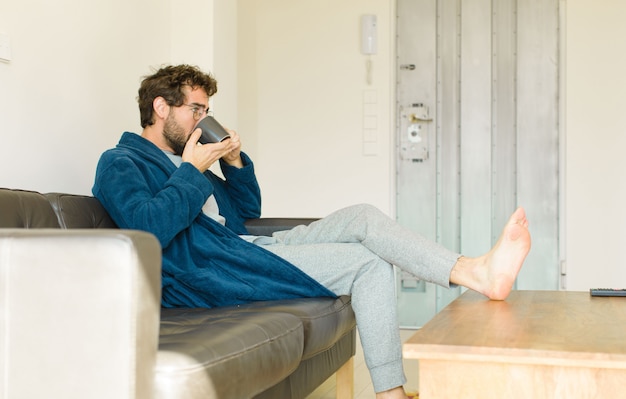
[(607, 292)]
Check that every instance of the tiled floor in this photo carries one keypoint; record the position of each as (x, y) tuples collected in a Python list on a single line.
[(362, 384)]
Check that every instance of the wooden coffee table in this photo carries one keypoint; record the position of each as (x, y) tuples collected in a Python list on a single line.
[(536, 344)]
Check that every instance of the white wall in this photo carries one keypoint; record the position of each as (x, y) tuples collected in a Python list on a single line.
[(596, 139), (301, 83), (70, 89), (225, 65)]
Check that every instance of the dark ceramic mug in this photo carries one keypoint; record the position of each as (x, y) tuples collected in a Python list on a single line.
[(212, 131)]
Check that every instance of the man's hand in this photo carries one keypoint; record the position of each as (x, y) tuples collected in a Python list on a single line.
[(233, 157), (203, 156)]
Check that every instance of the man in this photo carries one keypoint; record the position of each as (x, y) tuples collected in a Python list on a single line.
[(160, 182)]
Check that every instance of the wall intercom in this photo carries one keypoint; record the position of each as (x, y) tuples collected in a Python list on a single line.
[(369, 43)]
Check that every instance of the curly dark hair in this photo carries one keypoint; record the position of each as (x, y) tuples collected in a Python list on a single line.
[(168, 82)]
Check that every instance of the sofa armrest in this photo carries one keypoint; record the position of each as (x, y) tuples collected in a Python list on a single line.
[(79, 311), (266, 226)]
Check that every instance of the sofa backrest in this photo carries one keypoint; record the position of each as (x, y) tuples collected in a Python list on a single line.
[(30, 209), (79, 212), (27, 209)]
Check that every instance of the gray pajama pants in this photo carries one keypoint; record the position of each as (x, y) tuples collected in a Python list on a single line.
[(351, 252)]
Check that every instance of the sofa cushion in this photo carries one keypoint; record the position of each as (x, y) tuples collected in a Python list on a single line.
[(325, 320), (25, 209), (225, 352)]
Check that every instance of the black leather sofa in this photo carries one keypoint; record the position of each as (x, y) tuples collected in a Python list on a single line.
[(64, 251)]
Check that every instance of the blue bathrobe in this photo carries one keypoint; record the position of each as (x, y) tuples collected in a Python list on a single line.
[(205, 264)]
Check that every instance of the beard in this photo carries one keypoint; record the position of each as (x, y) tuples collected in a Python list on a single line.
[(175, 135)]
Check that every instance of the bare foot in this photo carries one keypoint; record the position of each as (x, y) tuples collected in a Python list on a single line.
[(494, 273), (395, 393)]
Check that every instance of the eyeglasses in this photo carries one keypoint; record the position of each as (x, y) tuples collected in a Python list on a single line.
[(198, 111)]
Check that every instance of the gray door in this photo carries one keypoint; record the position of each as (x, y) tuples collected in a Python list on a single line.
[(477, 133)]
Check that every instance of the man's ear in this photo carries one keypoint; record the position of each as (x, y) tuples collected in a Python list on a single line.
[(161, 108)]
